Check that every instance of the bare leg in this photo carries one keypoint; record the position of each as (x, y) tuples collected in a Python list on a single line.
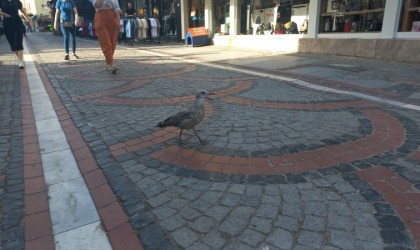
[(19, 54)]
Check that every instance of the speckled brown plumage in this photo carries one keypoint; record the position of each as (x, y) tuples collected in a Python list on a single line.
[(188, 118)]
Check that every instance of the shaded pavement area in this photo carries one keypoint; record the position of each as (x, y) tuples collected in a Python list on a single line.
[(305, 151)]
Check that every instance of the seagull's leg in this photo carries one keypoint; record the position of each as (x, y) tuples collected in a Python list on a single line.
[(180, 133), (201, 141)]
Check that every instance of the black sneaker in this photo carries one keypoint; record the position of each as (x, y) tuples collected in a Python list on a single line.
[(75, 57), (66, 57)]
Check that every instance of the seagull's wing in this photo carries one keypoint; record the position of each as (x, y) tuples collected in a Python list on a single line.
[(178, 119)]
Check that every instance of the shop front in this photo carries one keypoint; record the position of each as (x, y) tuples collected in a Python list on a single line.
[(372, 28)]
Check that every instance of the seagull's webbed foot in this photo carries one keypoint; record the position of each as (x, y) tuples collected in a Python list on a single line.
[(204, 142)]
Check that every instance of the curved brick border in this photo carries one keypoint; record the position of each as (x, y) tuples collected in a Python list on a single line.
[(82, 75), (388, 134), (119, 230), (240, 85), (402, 195), (301, 106)]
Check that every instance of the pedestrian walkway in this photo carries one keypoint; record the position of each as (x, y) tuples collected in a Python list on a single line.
[(305, 151)]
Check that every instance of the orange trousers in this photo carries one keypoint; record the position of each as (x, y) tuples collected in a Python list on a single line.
[(106, 29)]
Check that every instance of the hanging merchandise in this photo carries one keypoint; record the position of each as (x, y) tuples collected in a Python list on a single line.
[(327, 27)]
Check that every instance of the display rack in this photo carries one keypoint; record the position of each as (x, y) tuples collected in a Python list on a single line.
[(360, 18)]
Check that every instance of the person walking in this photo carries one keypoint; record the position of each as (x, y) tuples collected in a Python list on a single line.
[(107, 23), (13, 26), (66, 13)]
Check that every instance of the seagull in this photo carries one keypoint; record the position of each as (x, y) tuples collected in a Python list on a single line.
[(188, 118)]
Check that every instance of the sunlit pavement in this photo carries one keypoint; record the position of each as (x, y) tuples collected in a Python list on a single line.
[(304, 151)]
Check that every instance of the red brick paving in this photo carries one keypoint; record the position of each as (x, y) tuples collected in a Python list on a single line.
[(415, 156), (400, 193), (300, 106)]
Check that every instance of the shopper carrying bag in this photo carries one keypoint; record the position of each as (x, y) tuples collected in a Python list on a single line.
[(67, 17)]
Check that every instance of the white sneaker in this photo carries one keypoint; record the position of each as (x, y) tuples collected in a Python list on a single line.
[(21, 65)]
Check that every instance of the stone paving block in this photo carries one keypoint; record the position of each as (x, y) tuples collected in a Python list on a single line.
[(339, 208), (312, 239), (214, 239), (271, 200), (70, 208), (342, 239), (370, 234), (341, 222), (230, 200), (159, 200), (314, 223), (163, 212), (281, 238), (261, 224), (184, 237), (173, 222), (288, 223), (206, 200), (83, 237), (202, 224), (189, 213), (235, 244), (315, 208), (237, 189), (252, 238), (364, 245), (237, 221), (59, 166), (267, 211), (198, 246), (217, 213), (291, 210), (191, 194)]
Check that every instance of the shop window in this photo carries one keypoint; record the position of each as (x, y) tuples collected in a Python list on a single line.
[(351, 15), (169, 18), (221, 12), (196, 13), (410, 16), (270, 17)]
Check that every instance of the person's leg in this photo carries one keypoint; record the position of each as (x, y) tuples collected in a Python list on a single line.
[(17, 46), (113, 34), (73, 39), (65, 31), (100, 22)]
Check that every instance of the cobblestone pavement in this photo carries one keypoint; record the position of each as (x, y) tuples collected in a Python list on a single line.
[(287, 166)]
